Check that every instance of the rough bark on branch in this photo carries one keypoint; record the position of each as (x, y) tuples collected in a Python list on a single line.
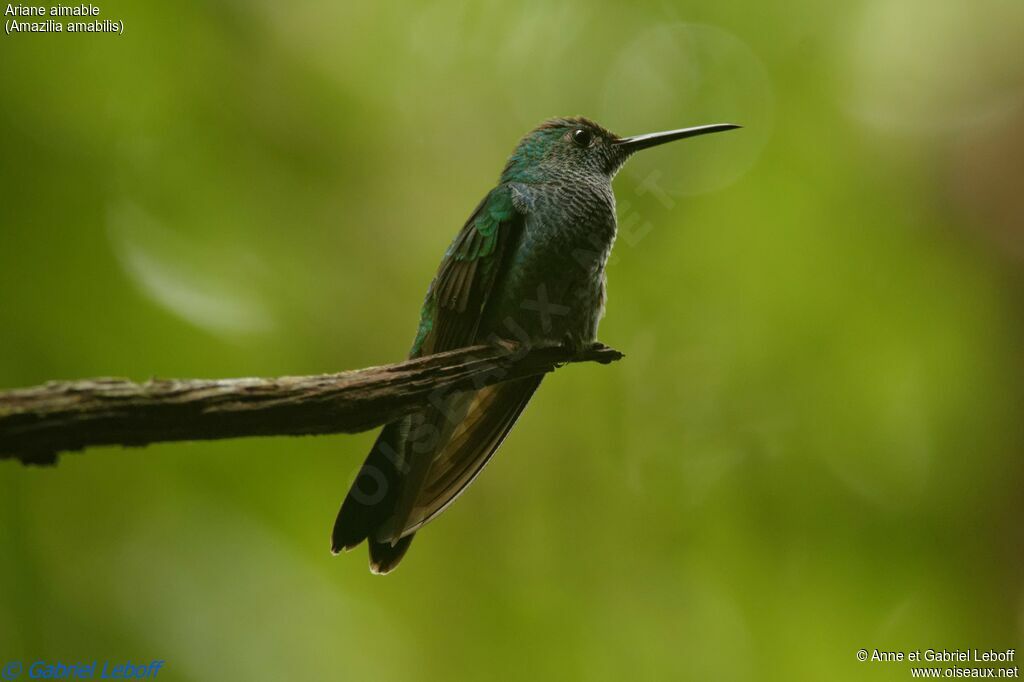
[(39, 422)]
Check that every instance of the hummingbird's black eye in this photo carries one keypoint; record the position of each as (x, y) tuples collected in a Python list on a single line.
[(582, 137)]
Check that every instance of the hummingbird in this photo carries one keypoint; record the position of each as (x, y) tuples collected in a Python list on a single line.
[(528, 267)]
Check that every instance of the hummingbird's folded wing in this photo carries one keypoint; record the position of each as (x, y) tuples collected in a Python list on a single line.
[(460, 290), (491, 414), (450, 319)]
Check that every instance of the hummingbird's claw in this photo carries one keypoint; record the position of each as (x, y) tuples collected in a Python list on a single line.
[(574, 346)]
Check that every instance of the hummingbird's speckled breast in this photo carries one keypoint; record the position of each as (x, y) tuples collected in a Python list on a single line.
[(554, 289)]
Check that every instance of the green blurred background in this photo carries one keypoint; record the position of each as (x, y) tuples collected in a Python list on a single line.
[(814, 444)]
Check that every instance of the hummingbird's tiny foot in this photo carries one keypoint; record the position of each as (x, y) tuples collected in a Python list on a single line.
[(574, 345)]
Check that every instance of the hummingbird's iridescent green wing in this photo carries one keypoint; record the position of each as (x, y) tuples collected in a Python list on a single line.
[(451, 314), (450, 319), (464, 433), (452, 309)]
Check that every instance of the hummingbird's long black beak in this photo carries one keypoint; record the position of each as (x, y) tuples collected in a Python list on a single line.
[(638, 142)]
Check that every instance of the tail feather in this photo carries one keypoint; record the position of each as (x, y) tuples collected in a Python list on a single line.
[(372, 496), (392, 498), (384, 556)]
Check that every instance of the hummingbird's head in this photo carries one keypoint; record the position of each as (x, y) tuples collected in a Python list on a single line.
[(577, 148), (564, 148)]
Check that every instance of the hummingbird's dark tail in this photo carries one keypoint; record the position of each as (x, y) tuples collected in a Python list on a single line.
[(371, 499), (384, 557), (386, 506)]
